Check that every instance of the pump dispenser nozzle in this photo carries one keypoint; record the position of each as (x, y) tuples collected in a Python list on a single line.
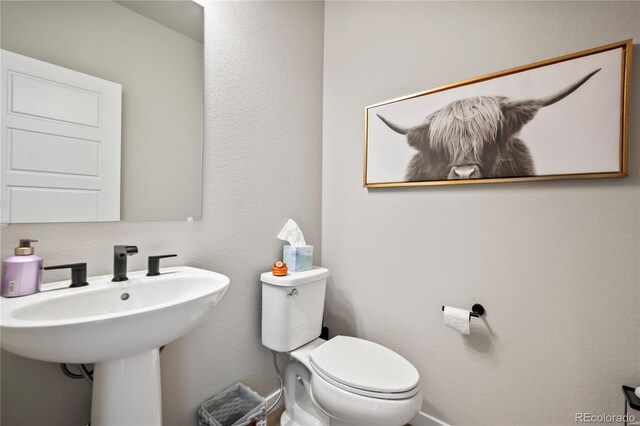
[(25, 249)]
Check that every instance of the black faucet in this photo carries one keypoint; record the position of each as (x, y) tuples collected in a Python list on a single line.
[(120, 254)]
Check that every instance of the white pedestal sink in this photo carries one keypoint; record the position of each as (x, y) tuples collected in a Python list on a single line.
[(119, 327)]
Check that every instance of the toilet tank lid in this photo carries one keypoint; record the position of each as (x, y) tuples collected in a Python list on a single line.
[(295, 278)]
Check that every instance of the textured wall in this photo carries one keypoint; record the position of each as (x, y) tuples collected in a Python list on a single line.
[(263, 112), (160, 71), (556, 264)]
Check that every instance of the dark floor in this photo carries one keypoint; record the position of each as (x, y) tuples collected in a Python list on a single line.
[(273, 419)]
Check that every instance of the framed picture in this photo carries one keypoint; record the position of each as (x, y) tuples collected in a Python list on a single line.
[(563, 118)]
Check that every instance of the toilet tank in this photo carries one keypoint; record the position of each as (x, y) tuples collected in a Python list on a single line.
[(292, 308)]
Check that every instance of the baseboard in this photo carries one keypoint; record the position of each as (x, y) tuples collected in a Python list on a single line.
[(423, 419)]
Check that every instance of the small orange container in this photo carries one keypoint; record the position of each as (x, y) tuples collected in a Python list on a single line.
[(279, 269)]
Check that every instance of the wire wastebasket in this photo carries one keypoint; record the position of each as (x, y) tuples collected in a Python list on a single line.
[(238, 405)]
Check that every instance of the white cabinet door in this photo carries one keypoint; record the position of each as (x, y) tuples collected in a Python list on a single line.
[(60, 133)]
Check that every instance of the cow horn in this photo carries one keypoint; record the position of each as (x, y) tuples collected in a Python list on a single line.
[(393, 126), (550, 100)]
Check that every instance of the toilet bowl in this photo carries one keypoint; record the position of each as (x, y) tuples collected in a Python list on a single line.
[(342, 381), (349, 381)]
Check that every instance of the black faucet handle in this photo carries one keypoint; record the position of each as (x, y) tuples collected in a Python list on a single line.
[(78, 273), (125, 250), (153, 267)]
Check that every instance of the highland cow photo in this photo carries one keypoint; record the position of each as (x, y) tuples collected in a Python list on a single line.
[(557, 119)]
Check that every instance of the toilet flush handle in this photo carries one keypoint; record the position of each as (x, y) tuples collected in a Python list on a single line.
[(293, 293)]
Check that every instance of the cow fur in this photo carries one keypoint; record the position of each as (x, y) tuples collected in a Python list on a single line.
[(478, 132)]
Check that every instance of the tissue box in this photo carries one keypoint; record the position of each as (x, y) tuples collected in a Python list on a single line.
[(298, 258)]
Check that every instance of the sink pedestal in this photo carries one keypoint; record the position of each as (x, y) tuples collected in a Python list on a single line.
[(127, 391)]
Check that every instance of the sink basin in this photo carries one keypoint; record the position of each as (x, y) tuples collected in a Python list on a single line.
[(119, 327), (93, 323)]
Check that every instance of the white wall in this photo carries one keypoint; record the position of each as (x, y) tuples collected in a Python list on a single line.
[(263, 92), (556, 264), (161, 74)]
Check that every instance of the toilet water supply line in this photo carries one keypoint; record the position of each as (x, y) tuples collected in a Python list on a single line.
[(280, 392)]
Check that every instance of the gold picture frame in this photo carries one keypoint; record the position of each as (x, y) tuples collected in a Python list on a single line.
[(626, 47)]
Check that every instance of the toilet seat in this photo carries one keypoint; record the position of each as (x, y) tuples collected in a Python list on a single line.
[(365, 368)]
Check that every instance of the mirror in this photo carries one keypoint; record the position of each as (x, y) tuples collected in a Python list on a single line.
[(102, 105)]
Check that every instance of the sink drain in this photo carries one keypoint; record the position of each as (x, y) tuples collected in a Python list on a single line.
[(124, 296)]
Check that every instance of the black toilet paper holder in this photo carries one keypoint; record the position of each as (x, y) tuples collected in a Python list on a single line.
[(477, 310)]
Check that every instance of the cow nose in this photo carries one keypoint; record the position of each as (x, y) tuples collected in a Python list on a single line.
[(464, 172)]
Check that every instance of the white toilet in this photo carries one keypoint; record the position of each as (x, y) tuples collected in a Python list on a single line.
[(342, 381)]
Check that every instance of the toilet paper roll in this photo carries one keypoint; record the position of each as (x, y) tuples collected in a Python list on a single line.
[(458, 319)]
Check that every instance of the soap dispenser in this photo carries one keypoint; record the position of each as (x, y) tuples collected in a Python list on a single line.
[(22, 273)]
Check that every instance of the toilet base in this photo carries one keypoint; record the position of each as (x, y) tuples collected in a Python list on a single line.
[(299, 409), (285, 420)]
